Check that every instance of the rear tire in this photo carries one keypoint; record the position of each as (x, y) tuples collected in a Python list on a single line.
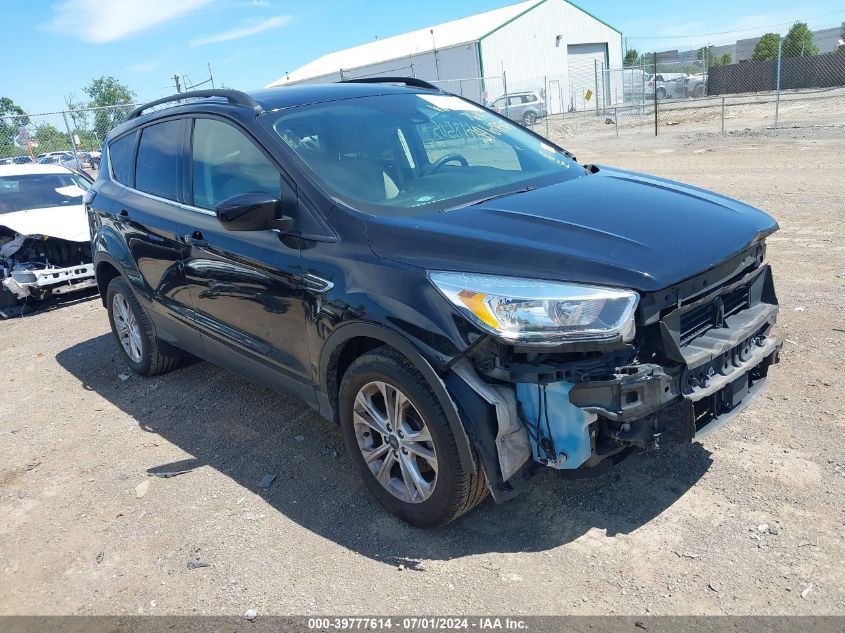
[(661, 93), (143, 351), (417, 458)]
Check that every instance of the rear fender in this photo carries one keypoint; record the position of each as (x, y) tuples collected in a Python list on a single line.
[(108, 247)]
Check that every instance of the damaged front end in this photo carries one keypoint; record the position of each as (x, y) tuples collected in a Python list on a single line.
[(701, 353), (32, 267)]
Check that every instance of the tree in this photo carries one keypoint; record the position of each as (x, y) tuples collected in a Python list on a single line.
[(51, 139), (705, 54), (107, 93), (841, 48), (799, 41), (631, 57), (77, 112), (767, 47), (723, 60), (12, 119)]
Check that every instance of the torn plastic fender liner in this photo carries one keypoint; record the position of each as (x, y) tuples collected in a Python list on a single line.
[(480, 421), (512, 444), (559, 431)]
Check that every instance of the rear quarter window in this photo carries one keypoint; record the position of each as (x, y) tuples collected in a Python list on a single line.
[(122, 158)]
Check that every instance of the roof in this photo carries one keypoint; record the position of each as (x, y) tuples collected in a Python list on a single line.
[(462, 31), (270, 100), (31, 168), (289, 96)]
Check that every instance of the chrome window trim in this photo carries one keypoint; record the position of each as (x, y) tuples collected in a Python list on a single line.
[(190, 116), (181, 205)]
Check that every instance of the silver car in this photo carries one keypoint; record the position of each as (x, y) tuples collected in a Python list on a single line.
[(64, 159), (523, 107), (668, 85)]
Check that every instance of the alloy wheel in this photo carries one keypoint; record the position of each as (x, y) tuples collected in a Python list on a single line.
[(395, 442), (127, 328)]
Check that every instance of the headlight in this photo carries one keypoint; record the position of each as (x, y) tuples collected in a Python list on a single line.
[(537, 311)]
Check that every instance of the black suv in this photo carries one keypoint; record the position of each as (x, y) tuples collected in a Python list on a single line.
[(466, 300)]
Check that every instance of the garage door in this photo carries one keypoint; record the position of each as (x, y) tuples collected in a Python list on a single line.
[(583, 60)]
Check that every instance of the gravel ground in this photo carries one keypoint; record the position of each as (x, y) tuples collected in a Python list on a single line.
[(682, 117), (85, 528)]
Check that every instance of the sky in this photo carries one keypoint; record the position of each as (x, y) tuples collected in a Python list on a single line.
[(51, 49)]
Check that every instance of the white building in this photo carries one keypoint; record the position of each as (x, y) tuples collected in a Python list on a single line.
[(552, 47)]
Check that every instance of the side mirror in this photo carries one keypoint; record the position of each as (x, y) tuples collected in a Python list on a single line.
[(254, 211)]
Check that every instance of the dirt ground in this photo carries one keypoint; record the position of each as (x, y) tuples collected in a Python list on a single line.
[(671, 532)]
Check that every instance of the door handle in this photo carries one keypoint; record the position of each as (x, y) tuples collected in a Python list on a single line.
[(196, 239)]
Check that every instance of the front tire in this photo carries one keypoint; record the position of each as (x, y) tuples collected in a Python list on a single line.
[(401, 443), (143, 351)]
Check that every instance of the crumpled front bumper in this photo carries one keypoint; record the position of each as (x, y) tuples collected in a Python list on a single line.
[(25, 283), (648, 407), (581, 416), (719, 372)]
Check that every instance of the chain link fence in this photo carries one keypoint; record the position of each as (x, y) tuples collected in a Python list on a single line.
[(674, 96), (72, 138)]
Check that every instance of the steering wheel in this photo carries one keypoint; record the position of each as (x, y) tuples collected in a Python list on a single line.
[(443, 160)]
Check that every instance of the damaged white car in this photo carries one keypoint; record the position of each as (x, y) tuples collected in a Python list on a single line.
[(45, 243)]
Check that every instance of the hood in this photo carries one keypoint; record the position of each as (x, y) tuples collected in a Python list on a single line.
[(65, 223), (614, 227)]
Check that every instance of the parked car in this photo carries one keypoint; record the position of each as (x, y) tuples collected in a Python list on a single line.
[(525, 107), (64, 159), (45, 246), (92, 158), (696, 86), (472, 309), (50, 158), (17, 160), (636, 86), (668, 85)]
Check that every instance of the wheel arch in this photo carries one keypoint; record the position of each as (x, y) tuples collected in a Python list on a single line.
[(108, 247), (351, 341), (104, 272)]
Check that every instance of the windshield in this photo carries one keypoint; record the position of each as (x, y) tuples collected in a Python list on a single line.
[(408, 153), (38, 191)]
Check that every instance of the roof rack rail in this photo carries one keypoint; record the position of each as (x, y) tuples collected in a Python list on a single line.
[(408, 81), (235, 97)]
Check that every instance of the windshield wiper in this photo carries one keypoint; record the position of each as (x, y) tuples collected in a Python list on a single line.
[(472, 203)]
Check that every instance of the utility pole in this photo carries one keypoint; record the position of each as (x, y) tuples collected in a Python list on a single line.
[(77, 163), (176, 81), (434, 49), (777, 87), (210, 76), (654, 84)]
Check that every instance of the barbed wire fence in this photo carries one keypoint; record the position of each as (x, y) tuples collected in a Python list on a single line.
[(681, 92)]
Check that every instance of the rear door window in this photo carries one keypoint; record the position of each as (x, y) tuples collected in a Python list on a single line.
[(157, 168)]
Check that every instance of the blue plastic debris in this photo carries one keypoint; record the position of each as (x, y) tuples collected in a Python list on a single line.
[(558, 430)]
